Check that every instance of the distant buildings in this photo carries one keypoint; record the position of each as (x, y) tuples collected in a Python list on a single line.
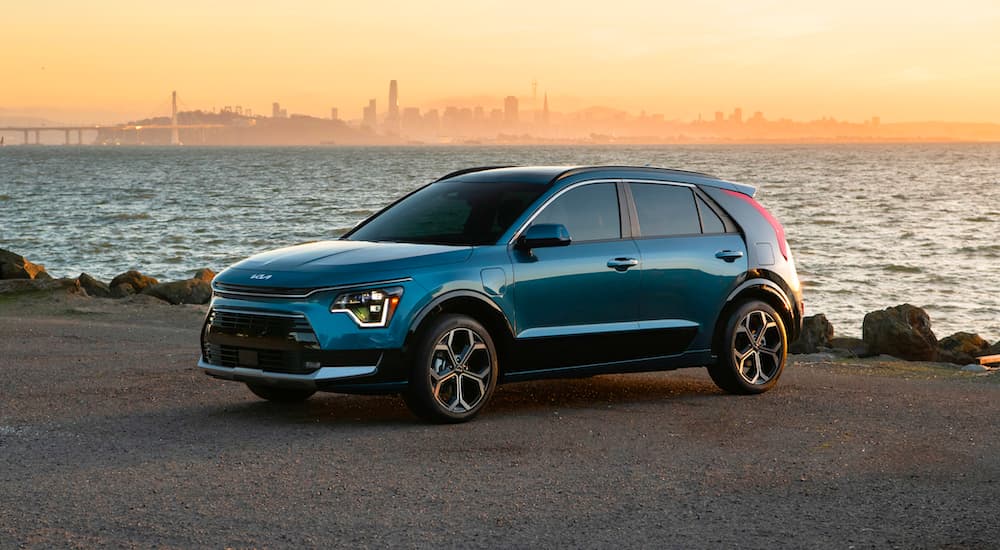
[(368, 118), (510, 115), (504, 123)]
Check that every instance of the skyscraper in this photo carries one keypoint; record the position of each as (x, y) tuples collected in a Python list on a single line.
[(392, 116), (275, 110)]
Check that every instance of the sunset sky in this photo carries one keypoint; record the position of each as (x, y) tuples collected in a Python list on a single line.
[(105, 61)]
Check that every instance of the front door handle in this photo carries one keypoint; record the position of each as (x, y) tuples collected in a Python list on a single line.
[(622, 264), (729, 255)]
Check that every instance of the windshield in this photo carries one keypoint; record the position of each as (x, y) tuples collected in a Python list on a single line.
[(451, 212)]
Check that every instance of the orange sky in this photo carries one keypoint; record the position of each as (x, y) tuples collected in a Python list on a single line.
[(105, 61)]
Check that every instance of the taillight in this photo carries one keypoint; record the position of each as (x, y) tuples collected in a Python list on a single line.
[(779, 231)]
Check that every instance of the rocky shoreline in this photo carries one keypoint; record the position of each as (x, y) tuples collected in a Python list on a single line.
[(902, 331), (18, 274)]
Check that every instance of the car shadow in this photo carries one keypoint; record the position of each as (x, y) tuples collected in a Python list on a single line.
[(598, 392)]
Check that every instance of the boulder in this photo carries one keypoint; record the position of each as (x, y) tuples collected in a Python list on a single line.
[(196, 290), (993, 350), (15, 266), (962, 348), (903, 331), (855, 347), (204, 274), (976, 367), (130, 282), (11, 286), (191, 291), (816, 333), (94, 287)]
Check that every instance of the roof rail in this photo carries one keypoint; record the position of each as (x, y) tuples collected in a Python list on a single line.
[(470, 170), (582, 169)]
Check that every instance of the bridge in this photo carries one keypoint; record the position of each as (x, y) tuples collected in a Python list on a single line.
[(174, 127)]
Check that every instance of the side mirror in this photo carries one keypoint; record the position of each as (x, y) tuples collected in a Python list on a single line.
[(544, 235)]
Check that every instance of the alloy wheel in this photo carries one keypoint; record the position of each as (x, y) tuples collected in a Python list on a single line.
[(758, 347), (460, 370)]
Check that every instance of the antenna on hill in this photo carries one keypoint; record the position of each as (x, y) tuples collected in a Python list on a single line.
[(175, 138)]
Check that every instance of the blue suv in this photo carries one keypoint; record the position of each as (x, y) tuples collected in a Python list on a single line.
[(502, 274)]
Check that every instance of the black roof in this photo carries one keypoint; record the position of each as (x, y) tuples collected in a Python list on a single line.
[(546, 175)]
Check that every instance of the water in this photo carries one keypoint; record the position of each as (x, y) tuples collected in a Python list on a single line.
[(871, 225)]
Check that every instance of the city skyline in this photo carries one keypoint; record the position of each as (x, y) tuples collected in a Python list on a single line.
[(511, 123), (102, 62)]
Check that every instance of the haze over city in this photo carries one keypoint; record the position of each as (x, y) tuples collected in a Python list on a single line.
[(116, 61)]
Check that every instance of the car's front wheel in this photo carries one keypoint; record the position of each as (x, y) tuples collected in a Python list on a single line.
[(454, 370), (753, 350), (280, 395)]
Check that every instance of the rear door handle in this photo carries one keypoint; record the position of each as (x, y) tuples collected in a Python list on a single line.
[(729, 255), (622, 264)]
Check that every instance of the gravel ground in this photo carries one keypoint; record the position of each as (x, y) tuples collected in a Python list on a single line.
[(109, 436)]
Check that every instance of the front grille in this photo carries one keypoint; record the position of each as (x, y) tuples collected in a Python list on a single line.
[(277, 342), (257, 339), (269, 360), (260, 325)]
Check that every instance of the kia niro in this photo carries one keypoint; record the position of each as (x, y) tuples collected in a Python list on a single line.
[(503, 274)]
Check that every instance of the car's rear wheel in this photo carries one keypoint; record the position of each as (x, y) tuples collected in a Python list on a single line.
[(280, 395), (454, 370), (753, 350)]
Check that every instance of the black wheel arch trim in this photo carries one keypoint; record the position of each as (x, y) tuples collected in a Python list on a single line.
[(758, 280), (421, 315)]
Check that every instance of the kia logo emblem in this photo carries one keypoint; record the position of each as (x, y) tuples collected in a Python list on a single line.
[(261, 276)]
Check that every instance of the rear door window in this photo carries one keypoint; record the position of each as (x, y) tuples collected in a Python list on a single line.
[(665, 210)]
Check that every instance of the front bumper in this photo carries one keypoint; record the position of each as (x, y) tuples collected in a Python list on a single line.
[(317, 379), (279, 347)]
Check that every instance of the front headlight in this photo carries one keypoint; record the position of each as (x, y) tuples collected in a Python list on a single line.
[(369, 308)]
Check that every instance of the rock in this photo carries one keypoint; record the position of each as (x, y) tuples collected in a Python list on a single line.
[(15, 266), (191, 291), (902, 331), (130, 282), (974, 367), (204, 274), (816, 333), (11, 286), (962, 348), (94, 287), (855, 347), (993, 350)]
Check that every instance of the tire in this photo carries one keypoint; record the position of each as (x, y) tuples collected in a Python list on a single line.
[(280, 395), (753, 350), (453, 371)]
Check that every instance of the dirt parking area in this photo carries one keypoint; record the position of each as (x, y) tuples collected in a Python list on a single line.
[(110, 436)]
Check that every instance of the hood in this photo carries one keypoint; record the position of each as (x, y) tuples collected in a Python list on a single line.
[(355, 256)]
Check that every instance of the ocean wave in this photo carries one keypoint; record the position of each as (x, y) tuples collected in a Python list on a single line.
[(989, 250), (127, 217), (896, 268)]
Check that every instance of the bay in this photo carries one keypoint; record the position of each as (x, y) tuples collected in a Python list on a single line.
[(870, 226)]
